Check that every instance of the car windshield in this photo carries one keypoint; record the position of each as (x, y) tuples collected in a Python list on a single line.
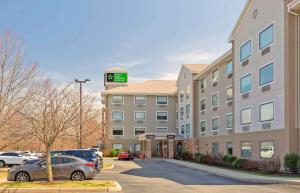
[(88, 154)]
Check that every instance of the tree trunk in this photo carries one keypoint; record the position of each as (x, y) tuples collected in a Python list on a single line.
[(48, 164)]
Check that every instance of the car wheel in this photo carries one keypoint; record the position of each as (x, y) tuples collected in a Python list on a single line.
[(2, 164), (77, 176), (22, 177)]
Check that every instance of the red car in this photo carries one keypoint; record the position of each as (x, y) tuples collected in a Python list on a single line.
[(125, 156)]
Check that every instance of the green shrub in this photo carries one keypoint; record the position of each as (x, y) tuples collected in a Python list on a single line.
[(187, 155), (238, 163), (290, 162), (298, 165), (114, 152), (228, 158), (199, 157)]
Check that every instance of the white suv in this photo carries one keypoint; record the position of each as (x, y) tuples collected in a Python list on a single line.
[(12, 158)]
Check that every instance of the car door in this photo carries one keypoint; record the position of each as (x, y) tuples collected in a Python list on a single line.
[(56, 161), (66, 167), (39, 170), (15, 158)]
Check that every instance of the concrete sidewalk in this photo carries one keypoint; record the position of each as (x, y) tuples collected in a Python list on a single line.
[(235, 174)]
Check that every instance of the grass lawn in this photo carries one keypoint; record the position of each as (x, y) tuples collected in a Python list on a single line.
[(58, 184)]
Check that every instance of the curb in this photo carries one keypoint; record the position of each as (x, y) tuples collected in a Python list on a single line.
[(235, 177)]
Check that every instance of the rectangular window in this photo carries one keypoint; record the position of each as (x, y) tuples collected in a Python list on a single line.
[(266, 37), (161, 116), (245, 51), (181, 111), (162, 129), (229, 67), (202, 126), (215, 100), (246, 149), (182, 130), (229, 93), (188, 90), (215, 76), (139, 116), (202, 105), (117, 146), (266, 74), (246, 116), (229, 121), (117, 131), (188, 128), (266, 112), (229, 147), (162, 100), (215, 148), (266, 149), (215, 124), (245, 83), (203, 83), (117, 100), (187, 109), (181, 94), (140, 100), (117, 115), (139, 130)]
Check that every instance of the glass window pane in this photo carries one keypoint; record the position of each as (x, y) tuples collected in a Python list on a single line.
[(229, 67), (138, 131), (229, 94), (266, 112), (215, 148), (117, 146), (266, 37), (182, 129), (202, 103), (266, 74), (246, 150), (245, 83), (188, 129), (117, 115), (162, 100), (140, 100), (215, 76), (215, 123), (140, 116), (266, 149), (117, 130), (181, 111), (162, 116), (117, 99), (246, 116), (215, 100), (245, 51), (162, 129), (202, 83), (203, 126), (229, 121), (229, 146), (187, 109)]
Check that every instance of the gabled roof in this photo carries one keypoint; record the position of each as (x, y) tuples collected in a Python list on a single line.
[(148, 87), (195, 68), (238, 23)]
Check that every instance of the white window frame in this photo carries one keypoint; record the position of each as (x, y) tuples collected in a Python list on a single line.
[(205, 126), (205, 82), (218, 99), (248, 91), (162, 96), (139, 112), (265, 65), (163, 128), (139, 128), (249, 107), (227, 101), (117, 119), (227, 120), (140, 96), (215, 69), (117, 103), (251, 46), (162, 112), (205, 104), (259, 111), (217, 117), (274, 36), (112, 129)]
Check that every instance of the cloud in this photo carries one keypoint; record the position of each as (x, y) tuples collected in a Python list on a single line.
[(127, 64)]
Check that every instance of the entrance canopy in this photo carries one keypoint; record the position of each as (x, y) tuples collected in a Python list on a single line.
[(159, 136)]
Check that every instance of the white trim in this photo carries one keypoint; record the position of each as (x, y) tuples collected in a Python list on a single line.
[(242, 44), (112, 96), (249, 107), (162, 112), (232, 121), (140, 96), (139, 112), (241, 93), (162, 128), (139, 128), (217, 92), (259, 113), (117, 119), (228, 101), (274, 38), (162, 96), (265, 65), (216, 117), (217, 68), (112, 128)]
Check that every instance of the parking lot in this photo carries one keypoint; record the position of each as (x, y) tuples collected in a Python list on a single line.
[(154, 176)]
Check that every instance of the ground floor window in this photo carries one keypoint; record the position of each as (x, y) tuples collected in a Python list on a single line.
[(137, 147), (117, 146), (246, 150), (229, 148), (266, 149), (162, 129), (188, 129), (215, 148)]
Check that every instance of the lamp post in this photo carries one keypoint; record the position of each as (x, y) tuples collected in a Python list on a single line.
[(80, 110)]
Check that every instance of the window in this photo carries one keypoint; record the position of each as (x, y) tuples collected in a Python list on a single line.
[(215, 124), (266, 74), (215, 100), (245, 83), (181, 94), (215, 76), (182, 130), (138, 131), (202, 126), (229, 121), (117, 99), (137, 147), (246, 116), (266, 112), (246, 149), (229, 93), (229, 67), (140, 100), (215, 148), (266, 37), (187, 109), (181, 111), (188, 90), (203, 83), (140, 116), (161, 116), (162, 129), (188, 128), (245, 51), (202, 105), (117, 146), (117, 131), (229, 147), (117, 115), (162, 100), (266, 149)]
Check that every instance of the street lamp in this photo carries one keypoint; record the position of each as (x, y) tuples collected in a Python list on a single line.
[(80, 111)]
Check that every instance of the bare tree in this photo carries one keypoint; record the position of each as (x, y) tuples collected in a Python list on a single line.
[(50, 115), (16, 88)]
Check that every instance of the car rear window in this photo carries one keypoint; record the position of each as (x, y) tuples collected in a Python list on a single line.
[(87, 154)]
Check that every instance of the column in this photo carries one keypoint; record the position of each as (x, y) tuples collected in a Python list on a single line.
[(171, 148), (148, 148)]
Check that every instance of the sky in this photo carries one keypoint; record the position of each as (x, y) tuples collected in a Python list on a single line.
[(151, 38)]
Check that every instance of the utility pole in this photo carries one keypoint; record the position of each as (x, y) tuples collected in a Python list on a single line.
[(80, 111)]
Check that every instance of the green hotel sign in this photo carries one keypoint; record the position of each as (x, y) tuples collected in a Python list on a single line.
[(116, 77)]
